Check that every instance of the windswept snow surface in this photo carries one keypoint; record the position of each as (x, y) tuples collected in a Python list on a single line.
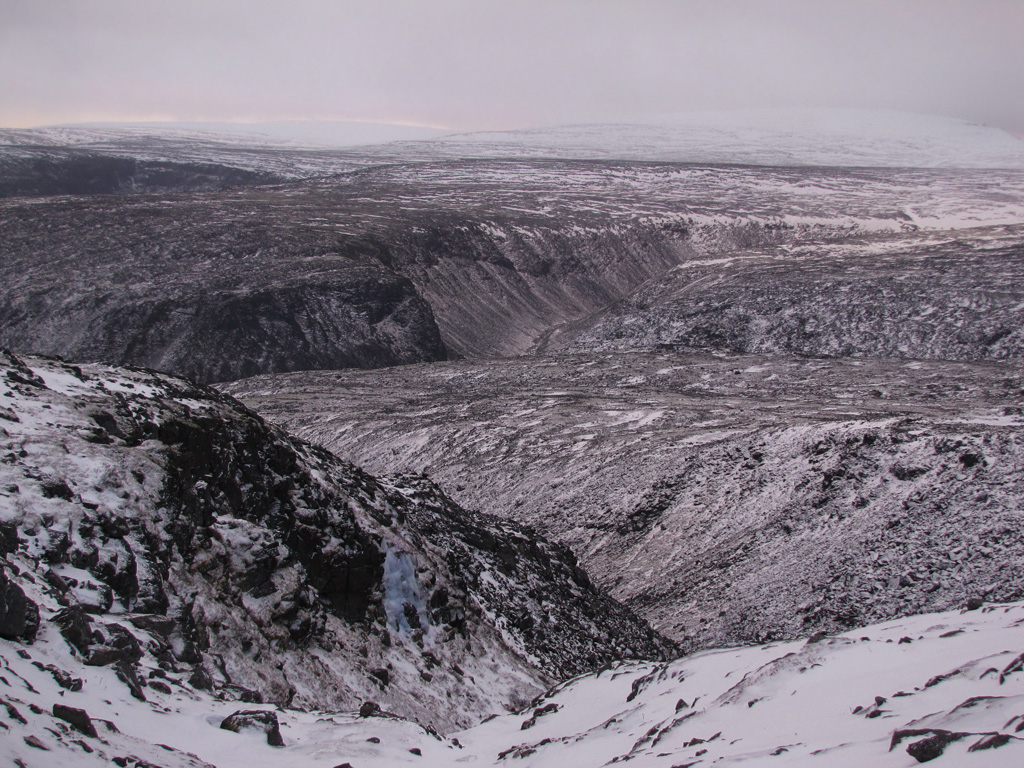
[(862, 698), (834, 701)]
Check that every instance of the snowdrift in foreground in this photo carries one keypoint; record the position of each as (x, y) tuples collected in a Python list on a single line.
[(947, 687)]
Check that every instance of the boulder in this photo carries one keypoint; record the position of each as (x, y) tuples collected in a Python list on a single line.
[(19, 616), (255, 719), (78, 718), (76, 627), (159, 625), (117, 645)]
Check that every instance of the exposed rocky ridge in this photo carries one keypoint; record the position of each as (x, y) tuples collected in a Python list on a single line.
[(727, 499), (168, 532), (414, 262)]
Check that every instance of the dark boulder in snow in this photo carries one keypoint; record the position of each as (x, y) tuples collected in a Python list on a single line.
[(159, 625), (256, 719), (19, 616), (76, 627), (78, 718)]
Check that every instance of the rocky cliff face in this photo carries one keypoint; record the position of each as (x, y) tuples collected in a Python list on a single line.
[(207, 291), (416, 262), (168, 532)]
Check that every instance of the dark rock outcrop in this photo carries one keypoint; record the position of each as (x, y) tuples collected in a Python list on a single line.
[(257, 719), (78, 718), (19, 616)]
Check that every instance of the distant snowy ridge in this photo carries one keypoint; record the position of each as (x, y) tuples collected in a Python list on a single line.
[(335, 134), (776, 137), (820, 137)]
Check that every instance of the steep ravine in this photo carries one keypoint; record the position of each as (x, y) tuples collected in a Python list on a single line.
[(409, 263), (498, 288), (727, 499)]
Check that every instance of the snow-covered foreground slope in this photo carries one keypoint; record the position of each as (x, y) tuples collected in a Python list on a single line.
[(947, 686), (864, 698)]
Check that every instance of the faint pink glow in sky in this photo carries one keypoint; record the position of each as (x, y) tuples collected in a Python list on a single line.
[(477, 64)]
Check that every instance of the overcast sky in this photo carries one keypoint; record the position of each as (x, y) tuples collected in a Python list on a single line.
[(481, 64)]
